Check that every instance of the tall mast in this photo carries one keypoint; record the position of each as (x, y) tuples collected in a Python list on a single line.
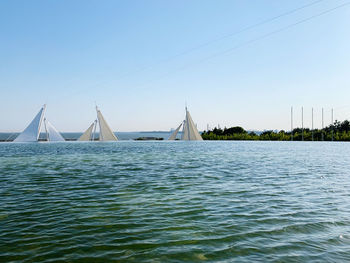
[(43, 118), (47, 134), (94, 132), (188, 125), (97, 121)]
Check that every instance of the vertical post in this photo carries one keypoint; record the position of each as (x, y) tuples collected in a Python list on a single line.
[(332, 124), (47, 134), (291, 123), (302, 123), (94, 131), (312, 123), (322, 127)]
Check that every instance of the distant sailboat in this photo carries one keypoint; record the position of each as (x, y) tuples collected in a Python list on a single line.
[(52, 133), (174, 134), (88, 134), (106, 133), (189, 131), (32, 132)]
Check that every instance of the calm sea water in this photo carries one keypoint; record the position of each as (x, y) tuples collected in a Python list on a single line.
[(175, 202), (7, 136)]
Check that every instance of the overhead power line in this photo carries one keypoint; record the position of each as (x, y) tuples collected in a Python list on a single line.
[(251, 41), (245, 29), (226, 36)]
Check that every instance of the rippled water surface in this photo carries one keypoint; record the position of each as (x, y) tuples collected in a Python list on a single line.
[(175, 202)]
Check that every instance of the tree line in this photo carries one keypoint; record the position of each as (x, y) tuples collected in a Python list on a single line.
[(338, 131)]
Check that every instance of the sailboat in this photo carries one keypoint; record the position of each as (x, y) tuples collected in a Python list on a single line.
[(88, 135), (189, 130), (32, 132), (52, 134), (106, 133), (174, 134)]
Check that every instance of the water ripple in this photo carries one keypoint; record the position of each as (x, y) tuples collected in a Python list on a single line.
[(175, 202)]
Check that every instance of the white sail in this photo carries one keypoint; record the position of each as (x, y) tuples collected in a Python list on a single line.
[(32, 132), (174, 134), (53, 134), (184, 131), (106, 134), (190, 132), (87, 135)]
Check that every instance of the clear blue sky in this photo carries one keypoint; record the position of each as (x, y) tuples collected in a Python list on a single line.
[(140, 61)]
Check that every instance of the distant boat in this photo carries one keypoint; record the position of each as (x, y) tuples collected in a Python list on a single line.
[(106, 133), (32, 132), (88, 135), (189, 131), (174, 134)]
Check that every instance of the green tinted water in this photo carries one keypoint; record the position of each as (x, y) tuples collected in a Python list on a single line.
[(175, 202)]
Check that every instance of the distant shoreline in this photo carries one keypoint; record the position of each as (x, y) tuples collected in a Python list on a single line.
[(73, 136), (338, 131)]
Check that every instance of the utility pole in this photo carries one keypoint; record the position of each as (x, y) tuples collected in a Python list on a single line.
[(312, 123), (332, 124), (302, 123), (291, 123), (322, 126)]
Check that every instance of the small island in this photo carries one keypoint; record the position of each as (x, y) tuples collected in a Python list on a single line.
[(149, 139)]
